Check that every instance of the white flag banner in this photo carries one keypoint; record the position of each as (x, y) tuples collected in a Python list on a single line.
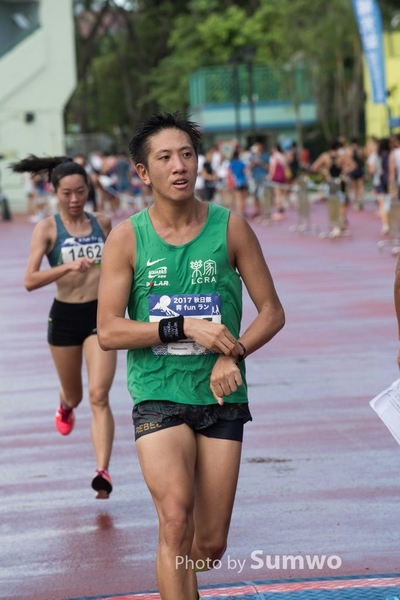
[(387, 407)]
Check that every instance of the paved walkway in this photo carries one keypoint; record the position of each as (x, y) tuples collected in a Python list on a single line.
[(320, 472)]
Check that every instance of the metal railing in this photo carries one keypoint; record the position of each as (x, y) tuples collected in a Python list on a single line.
[(229, 84)]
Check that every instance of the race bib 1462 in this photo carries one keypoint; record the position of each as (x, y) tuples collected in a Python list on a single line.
[(89, 247)]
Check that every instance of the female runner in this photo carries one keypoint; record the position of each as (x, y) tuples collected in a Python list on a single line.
[(73, 242)]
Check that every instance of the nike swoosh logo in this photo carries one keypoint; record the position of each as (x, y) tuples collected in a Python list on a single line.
[(150, 263)]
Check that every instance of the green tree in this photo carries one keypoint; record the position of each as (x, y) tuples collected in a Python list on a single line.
[(137, 55), (118, 46), (324, 35)]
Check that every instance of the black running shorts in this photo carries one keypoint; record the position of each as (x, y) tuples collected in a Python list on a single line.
[(224, 422), (70, 324)]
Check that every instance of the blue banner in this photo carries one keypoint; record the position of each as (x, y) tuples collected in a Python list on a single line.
[(369, 23)]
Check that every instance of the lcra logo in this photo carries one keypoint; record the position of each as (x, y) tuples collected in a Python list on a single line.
[(203, 272)]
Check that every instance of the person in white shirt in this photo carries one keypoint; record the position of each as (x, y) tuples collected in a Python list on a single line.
[(200, 183), (378, 167)]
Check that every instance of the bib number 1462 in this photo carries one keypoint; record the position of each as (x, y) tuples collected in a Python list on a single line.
[(92, 251)]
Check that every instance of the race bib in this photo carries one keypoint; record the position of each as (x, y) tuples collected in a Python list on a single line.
[(90, 247), (199, 306)]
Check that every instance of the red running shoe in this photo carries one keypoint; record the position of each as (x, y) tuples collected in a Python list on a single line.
[(65, 420), (102, 484)]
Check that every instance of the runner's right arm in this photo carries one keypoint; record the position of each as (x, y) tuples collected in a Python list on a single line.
[(40, 245)]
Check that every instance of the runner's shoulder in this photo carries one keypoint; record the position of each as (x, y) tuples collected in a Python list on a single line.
[(122, 234), (238, 228), (45, 227)]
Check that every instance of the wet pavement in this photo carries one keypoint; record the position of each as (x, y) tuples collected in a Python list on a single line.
[(320, 472)]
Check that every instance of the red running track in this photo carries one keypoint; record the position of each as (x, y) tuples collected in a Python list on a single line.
[(320, 472)]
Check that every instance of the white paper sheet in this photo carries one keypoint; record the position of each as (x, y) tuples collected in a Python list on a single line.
[(387, 407)]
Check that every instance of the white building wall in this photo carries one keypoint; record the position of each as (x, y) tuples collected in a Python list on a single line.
[(38, 77)]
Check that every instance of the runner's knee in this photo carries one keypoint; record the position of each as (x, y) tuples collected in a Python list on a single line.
[(98, 396), (176, 529), (214, 548)]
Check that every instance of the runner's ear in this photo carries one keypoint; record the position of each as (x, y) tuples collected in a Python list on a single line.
[(143, 174)]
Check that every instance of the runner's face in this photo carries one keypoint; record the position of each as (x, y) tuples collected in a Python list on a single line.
[(72, 193), (172, 165)]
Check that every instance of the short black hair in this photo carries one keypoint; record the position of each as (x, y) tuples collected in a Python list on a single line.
[(336, 145), (139, 146), (55, 167)]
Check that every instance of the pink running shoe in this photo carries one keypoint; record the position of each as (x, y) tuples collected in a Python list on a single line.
[(65, 420), (102, 484)]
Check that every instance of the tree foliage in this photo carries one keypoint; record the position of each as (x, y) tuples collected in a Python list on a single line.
[(137, 55)]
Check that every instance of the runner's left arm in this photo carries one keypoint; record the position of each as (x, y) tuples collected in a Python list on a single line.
[(249, 260), (246, 255)]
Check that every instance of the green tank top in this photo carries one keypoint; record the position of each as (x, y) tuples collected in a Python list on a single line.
[(194, 280)]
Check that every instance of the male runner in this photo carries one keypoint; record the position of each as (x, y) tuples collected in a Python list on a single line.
[(178, 268)]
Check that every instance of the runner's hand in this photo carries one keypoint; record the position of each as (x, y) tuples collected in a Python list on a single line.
[(213, 336), (225, 378), (82, 264)]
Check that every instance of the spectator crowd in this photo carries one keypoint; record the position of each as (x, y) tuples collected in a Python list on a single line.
[(256, 182)]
